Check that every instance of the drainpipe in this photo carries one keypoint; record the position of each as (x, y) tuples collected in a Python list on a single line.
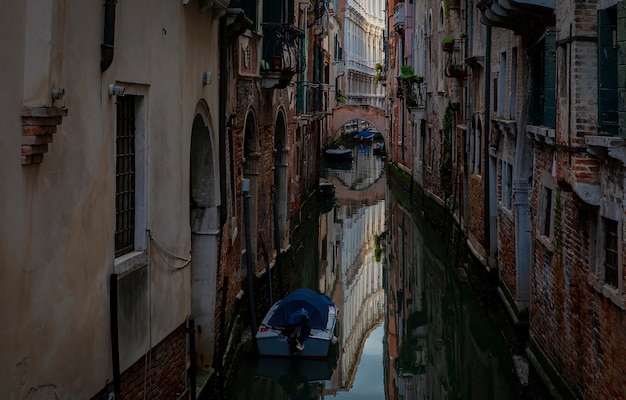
[(468, 114), (115, 346), (108, 44), (486, 131), (223, 93), (245, 189)]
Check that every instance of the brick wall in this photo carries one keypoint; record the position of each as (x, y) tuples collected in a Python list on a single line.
[(476, 212), (161, 374), (506, 256)]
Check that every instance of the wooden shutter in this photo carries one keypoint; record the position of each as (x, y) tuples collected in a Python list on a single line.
[(608, 122)]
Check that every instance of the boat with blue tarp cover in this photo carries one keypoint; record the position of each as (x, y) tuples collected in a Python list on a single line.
[(303, 324)]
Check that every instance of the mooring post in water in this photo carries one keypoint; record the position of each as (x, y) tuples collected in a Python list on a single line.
[(245, 188), (279, 271)]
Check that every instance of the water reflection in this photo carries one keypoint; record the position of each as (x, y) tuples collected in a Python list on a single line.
[(408, 329), (352, 266), (440, 344)]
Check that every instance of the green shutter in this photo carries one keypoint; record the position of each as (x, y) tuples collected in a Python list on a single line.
[(608, 121), (549, 80), (300, 99), (536, 101)]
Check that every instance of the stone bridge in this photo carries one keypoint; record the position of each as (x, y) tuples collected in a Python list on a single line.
[(347, 113)]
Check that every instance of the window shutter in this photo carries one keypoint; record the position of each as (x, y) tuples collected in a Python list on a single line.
[(549, 80), (608, 122)]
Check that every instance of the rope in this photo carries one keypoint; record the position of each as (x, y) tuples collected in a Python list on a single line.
[(162, 252)]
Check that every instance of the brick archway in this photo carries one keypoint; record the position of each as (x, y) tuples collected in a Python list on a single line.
[(347, 113)]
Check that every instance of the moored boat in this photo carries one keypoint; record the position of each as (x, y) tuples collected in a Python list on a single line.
[(300, 325), (364, 136), (339, 154), (327, 189)]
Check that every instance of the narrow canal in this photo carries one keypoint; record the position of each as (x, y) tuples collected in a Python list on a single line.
[(410, 327)]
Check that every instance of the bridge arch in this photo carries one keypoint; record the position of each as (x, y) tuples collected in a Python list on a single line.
[(364, 112)]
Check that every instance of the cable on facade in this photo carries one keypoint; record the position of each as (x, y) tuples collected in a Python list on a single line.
[(162, 252)]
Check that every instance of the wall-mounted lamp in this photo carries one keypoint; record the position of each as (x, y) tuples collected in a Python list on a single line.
[(57, 93), (116, 90), (207, 77)]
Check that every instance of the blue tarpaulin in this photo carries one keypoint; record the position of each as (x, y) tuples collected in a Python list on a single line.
[(315, 305)]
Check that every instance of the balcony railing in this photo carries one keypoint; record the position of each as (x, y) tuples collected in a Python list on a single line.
[(282, 57), (398, 17), (413, 90)]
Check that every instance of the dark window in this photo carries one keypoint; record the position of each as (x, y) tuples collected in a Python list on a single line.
[(547, 213), (543, 85), (611, 260), (495, 95), (125, 176), (608, 122)]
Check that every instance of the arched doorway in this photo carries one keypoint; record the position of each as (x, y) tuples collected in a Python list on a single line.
[(281, 154), (203, 215), (252, 157)]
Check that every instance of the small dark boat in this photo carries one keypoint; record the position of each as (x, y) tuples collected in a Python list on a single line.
[(300, 325), (339, 154), (327, 189), (339, 165)]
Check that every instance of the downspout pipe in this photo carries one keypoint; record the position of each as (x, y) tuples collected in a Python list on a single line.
[(108, 43), (245, 189), (115, 347), (468, 114), (486, 131), (222, 93)]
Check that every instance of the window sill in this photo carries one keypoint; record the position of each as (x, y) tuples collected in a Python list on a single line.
[(545, 241), (542, 134), (608, 291), (506, 211), (603, 146), (130, 261)]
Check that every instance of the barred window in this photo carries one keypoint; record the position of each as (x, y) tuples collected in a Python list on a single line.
[(546, 229), (125, 176), (611, 260)]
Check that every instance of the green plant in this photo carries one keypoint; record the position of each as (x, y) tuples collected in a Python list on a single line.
[(406, 71), (341, 97), (448, 39), (406, 80), (379, 72), (463, 35)]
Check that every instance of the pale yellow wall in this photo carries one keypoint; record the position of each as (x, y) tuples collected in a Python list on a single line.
[(56, 236)]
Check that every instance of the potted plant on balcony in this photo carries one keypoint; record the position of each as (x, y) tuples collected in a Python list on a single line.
[(447, 44), (406, 80)]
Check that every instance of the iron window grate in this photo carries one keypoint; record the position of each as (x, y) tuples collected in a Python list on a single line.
[(125, 176), (611, 262)]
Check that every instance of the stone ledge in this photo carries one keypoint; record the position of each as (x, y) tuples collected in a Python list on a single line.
[(38, 126), (611, 146)]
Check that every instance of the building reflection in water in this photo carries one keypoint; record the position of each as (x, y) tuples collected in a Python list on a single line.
[(351, 266), (439, 342)]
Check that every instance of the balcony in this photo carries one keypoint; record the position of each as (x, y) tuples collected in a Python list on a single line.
[(413, 90), (521, 16), (398, 17), (282, 57)]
